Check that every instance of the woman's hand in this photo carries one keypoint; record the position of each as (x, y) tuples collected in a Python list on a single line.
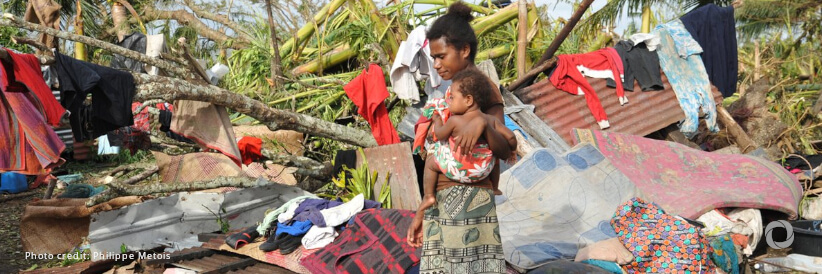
[(414, 236), (468, 136)]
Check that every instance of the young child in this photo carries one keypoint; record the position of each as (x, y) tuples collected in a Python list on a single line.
[(468, 94)]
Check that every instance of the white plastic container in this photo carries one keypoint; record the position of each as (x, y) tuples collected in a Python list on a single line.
[(794, 261)]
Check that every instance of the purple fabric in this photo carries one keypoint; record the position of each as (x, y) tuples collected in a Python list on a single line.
[(309, 210), (690, 182)]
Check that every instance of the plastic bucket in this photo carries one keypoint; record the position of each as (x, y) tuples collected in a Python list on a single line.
[(806, 241), (12, 182)]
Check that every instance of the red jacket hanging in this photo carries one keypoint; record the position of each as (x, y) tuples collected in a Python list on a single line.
[(26, 70), (567, 77), (368, 92)]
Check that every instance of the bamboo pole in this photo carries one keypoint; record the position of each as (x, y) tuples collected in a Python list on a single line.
[(79, 48), (334, 57), (495, 52), (306, 31), (388, 39), (488, 23), (556, 42), (522, 37), (446, 3), (646, 18)]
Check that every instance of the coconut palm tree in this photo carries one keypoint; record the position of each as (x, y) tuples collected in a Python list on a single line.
[(609, 13)]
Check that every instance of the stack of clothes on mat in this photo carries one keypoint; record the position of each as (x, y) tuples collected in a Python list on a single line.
[(308, 221), (334, 237)]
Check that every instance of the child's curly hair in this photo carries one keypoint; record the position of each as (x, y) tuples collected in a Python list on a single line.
[(473, 82)]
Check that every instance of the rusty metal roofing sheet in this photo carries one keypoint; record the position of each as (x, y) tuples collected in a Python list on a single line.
[(646, 112)]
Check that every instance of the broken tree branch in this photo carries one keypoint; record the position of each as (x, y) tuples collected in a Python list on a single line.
[(11, 21), (305, 166), (141, 176), (117, 189), (276, 63), (26, 41), (528, 76), (186, 18), (554, 46), (170, 89), (17, 196), (219, 18), (192, 63), (114, 171)]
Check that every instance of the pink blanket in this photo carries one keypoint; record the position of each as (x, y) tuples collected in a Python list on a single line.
[(690, 182)]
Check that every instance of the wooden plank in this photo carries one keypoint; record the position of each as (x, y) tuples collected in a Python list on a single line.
[(544, 135), (742, 140), (395, 159)]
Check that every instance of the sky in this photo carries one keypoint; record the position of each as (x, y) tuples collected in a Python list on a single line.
[(557, 8)]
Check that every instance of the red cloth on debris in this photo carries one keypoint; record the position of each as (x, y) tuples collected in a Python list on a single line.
[(567, 77), (250, 149), (141, 120), (26, 71), (28, 144), (368, 91)]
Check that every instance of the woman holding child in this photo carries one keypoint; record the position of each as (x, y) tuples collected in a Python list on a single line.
[(456, 223)]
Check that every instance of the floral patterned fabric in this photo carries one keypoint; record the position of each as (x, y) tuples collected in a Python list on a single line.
[(690, 182), (661, 243), (468, 169)]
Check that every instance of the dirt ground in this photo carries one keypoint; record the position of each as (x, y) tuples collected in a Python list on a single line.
[(12, 257)]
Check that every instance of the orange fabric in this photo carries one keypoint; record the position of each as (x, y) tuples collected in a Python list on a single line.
[(368, 92), (740, 240)]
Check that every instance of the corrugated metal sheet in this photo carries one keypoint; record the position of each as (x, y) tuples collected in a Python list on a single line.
[(65, 136), (646, 112), (174, 218)]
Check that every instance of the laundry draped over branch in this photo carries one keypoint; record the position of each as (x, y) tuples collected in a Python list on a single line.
[(170, 89)]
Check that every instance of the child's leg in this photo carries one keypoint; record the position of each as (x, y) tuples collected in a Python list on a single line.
[(495, 178), (429, 180)]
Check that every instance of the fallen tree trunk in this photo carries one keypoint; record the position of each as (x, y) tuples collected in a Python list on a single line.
[(11, 21), (117, 189), (185, 18), (170, 89)]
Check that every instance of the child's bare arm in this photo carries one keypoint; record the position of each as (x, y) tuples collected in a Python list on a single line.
[(506, 133), (444, 131)]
